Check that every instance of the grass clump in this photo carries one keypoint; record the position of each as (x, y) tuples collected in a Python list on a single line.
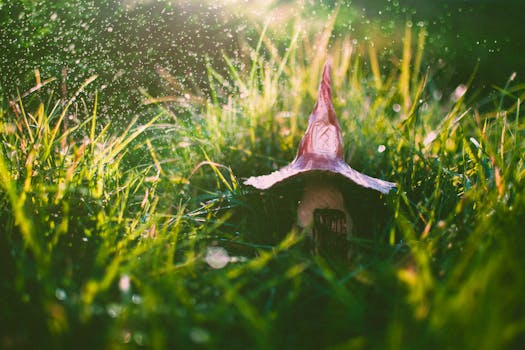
[(144, 237)]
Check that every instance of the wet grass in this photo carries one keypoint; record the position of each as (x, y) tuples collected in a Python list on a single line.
[(147, 237)]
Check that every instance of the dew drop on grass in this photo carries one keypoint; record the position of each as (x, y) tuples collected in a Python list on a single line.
[(60, 294), (138, 338), (113, 310), (136, 299), (396, 107), (475, 142), (199, 335), (459, 92), (124, 283), (217, 257)]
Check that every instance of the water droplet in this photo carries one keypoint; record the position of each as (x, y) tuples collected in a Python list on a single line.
[(138, 338), (199, 335), (136, 299), (217, 257), (396, 107), (60, 294), (124, 283), (475, 142), (459, 92), (113, 310)]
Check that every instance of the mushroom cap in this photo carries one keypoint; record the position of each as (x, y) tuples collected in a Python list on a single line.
[(321, 148)]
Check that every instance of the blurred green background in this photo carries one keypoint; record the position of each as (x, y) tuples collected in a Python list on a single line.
[(126, 42)]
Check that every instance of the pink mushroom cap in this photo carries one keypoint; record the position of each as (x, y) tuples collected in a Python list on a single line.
[(321, 148)]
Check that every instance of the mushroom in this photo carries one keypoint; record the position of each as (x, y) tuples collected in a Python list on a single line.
[(322, 210)]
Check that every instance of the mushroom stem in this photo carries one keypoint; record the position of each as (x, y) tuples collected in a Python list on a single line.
[(320, 194)]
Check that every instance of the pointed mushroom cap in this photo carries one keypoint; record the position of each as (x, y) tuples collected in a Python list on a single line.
[(321, 148)]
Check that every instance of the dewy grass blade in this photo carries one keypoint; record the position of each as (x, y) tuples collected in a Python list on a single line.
[(22, 219), (404, 78)]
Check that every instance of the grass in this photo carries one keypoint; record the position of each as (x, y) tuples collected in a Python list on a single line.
[(108, 238)]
